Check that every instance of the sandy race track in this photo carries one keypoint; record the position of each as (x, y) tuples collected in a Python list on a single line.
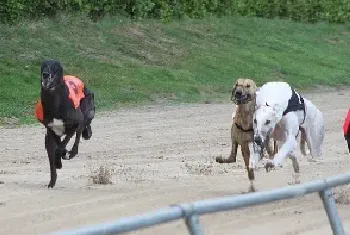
[(161, 155)]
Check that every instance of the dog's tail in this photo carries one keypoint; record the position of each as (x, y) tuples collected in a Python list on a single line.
[(317, 132), (302, 141), (320, 132)]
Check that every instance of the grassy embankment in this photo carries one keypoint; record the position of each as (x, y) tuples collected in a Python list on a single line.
[(128, 62)]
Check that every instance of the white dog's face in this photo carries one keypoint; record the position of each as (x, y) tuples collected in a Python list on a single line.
[(265, 120)]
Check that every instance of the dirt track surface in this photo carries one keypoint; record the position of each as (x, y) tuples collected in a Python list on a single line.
[(162, 155)]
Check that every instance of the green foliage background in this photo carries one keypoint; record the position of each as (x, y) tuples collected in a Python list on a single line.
[(312, 11), (130, 57)]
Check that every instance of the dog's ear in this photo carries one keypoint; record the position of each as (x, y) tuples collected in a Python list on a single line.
[(239, 81), (252, 84)]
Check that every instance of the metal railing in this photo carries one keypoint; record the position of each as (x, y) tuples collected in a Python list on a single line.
[(191, 212)]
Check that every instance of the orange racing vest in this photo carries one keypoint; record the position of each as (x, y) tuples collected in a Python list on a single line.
[(75, 91)]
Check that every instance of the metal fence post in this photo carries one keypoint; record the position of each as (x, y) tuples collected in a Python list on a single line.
[(331, 211), (193, 225)]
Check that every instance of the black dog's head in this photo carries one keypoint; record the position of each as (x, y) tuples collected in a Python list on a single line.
[(51, 75)]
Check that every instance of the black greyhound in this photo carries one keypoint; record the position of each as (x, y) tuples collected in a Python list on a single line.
[(61, 117)]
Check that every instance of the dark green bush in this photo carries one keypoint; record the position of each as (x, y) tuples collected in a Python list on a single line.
[(333, 11)]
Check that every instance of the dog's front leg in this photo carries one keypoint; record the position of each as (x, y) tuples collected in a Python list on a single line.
[(292, 128), (78, 132), (61, 148), (286, 148), (50, 145), (74, 151), (254, 157)]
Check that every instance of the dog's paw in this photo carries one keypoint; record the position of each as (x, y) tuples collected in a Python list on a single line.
[(72, 154), (51, 184), (87, 133), (296, 179), (219, 159), (311, 159), (230, 159), (251, 189), (61, 153), (58, 164), (269, 165)]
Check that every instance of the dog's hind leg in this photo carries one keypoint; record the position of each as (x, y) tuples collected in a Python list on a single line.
[(315, 148), (61, 148), (318, 135), (87, 106), (302, 141), (296, 167), (314, 128), (309, 144)]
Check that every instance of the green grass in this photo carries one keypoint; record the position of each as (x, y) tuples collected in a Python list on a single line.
[(127, 62)]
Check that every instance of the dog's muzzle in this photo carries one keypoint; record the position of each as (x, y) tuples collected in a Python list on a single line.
[(258, 140), (49, 88), (46, 87), (239, 97), (260, 144), (49, 81)]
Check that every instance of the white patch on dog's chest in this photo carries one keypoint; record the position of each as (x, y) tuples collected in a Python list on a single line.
[(57, 126)]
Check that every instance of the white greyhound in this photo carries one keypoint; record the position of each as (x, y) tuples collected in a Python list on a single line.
[(282, 112)]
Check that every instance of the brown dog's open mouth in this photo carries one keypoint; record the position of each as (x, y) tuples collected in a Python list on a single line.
[(240, 98)]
